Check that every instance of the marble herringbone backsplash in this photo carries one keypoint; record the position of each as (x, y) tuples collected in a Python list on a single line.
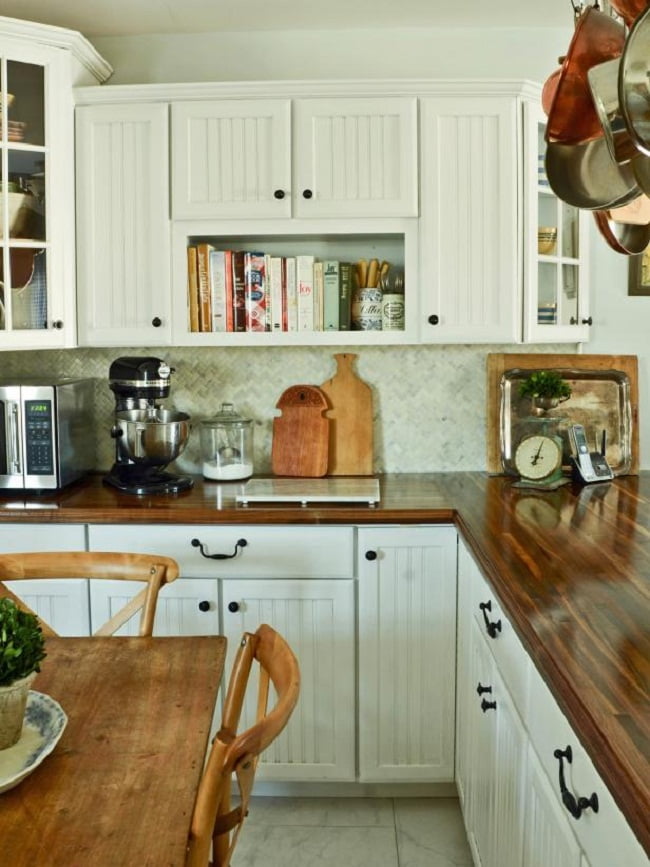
[(429, 401)]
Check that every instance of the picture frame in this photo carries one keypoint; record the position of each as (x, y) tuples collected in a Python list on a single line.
[(639, 274)]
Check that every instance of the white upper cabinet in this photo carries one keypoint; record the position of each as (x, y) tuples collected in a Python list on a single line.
[(355, 157), (231, 158), (38, 67), (336, 157), (123, 228), (470, 285), (556, 297)]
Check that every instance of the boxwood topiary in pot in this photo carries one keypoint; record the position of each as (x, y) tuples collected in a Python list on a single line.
[(21, 651), (545, 389)]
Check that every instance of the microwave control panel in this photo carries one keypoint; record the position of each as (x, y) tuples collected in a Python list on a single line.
[(39, 437)]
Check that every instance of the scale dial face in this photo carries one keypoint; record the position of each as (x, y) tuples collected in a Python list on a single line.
[(538, 457)]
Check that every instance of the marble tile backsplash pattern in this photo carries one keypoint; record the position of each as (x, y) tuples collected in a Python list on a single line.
[(429, 401)]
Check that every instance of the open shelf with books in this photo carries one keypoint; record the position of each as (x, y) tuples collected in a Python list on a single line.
[(295, 282)]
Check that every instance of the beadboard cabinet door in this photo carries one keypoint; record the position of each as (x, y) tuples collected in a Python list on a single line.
[(355, 157), (407, 653), (316, 617), (231, 158), (123, 228), (189, 606), (470, 242)]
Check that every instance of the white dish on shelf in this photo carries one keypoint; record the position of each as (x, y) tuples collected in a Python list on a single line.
[(44, 723)]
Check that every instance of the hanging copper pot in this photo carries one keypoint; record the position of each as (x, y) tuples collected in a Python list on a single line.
[(572, 117), (629, 10), (626, 229)]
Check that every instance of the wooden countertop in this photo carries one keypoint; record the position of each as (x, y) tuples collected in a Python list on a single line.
[(571, 568)]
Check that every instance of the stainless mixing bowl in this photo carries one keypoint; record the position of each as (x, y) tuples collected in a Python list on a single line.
[(153, 437)]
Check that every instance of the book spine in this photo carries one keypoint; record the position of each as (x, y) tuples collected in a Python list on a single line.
[(255, 292), (318, 296), (285, 313), (218, 286), (239, 290), (275, 281), (305, 292), (230, 324), (331, 295), (192, 290), (345, 296), (292, 294), (205, 293)]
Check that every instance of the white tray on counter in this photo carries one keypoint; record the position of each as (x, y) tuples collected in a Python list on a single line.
[(342, 489)]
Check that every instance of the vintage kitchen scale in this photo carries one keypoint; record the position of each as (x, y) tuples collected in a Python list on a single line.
[(538, 457)]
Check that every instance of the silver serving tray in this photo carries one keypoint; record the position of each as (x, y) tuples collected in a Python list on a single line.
[(600, 400)]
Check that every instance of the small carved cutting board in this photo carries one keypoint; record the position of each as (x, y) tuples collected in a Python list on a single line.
[(301, 433), (350, 400)]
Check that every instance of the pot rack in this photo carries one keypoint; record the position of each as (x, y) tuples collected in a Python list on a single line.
[(601, 163)]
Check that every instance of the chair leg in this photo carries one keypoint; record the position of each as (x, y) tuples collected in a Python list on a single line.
[(221, 844)]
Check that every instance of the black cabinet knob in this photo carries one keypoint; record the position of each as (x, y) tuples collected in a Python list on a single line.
[(156, 322), (488, 705), (480, 689), (307, 194), (233, 606), (58, 324), (371, 555), (204, 605), (433, 319), (279, 194), (588, 321)]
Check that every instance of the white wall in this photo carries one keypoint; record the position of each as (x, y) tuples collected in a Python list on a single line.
[(620, 322)]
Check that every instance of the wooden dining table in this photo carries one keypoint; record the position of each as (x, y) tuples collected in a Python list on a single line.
[(119, 787)]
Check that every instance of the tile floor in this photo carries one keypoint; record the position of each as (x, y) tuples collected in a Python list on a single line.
[(353, 832)]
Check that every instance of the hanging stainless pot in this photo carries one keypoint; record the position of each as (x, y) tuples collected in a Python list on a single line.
[(153, 437), (633, 89), (586, 176), (603, 82)]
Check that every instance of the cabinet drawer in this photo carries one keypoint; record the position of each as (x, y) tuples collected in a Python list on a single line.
[(283, 552), (605, 836), (42, 537), (512, 660)]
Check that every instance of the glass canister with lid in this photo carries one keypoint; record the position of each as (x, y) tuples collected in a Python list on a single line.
[(227, 445)]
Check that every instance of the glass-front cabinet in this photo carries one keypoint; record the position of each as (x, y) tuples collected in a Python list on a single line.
[(37, 225), (556, 307)]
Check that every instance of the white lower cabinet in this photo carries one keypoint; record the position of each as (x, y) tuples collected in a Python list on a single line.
[(506, 769), (407, 647), (317, 619), (62, 604)]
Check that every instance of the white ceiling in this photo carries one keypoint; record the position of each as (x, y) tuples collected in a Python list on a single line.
[(133, 17)]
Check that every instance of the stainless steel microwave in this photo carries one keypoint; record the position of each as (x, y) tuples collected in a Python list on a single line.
[(46, 432)]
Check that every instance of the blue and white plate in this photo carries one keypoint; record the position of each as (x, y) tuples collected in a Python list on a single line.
[(44, 723)]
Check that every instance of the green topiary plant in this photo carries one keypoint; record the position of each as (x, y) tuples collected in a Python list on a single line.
[(21, 643), (545, 384)]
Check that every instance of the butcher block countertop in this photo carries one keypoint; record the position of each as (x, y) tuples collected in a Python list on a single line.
[(571, 568)]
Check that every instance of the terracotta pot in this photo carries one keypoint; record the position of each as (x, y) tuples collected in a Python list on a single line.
[(13, 699)]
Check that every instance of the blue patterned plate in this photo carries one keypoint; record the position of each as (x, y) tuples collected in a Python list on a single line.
[(44, 723)]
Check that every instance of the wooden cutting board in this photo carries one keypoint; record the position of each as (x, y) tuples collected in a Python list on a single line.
[(350, 415), (301, 434)]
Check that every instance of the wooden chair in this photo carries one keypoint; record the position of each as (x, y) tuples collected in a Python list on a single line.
[(153, 570), (213, 820)]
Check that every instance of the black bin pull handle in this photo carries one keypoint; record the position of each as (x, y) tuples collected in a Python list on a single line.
[(575, 806), (240, 543), (493, 627)]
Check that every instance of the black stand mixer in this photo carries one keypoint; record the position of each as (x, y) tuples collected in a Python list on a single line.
[(147, 437)]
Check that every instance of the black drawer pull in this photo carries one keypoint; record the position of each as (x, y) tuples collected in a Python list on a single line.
[(493, 627), (434, 319), (279, 194), (204, 605), (240, 543), (488, 705), (574, 805), (233, 607), (371, 555), (480, 689), (307, 194), (156, 322)]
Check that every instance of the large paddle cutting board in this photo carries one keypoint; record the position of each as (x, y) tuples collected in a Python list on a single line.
[(350, 415), (301, 433)]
